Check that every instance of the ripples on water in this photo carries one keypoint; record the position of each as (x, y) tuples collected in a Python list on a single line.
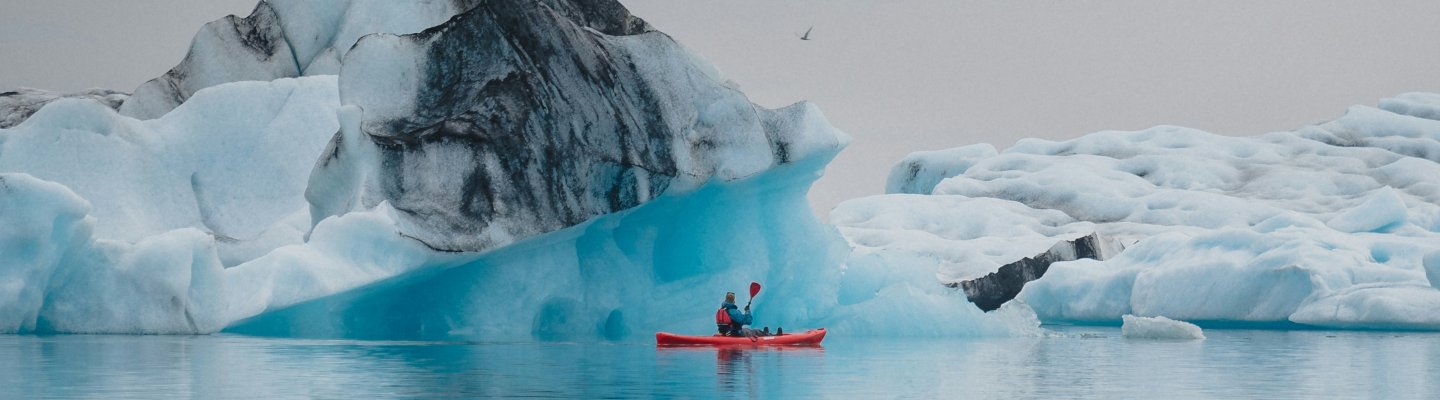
[(1083, 363)]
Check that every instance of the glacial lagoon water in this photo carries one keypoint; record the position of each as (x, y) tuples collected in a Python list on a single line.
[(1078, 362)]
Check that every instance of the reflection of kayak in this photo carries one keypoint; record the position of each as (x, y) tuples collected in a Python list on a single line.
[(808, 338)]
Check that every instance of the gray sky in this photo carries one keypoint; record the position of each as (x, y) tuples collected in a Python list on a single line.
[(903, 75)]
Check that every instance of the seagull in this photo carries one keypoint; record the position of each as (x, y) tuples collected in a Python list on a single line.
[(806, 36)]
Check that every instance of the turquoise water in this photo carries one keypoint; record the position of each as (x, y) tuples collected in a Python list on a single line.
[(1082, 362)]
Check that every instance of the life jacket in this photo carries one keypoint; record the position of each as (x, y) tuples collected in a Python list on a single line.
[(722, 317)]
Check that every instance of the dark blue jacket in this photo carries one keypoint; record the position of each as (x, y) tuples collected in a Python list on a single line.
[(737, 317)]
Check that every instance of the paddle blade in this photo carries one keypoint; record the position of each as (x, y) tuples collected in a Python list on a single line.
[(754, 288)]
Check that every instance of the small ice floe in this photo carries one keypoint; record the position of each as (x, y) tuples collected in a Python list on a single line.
[(1159, 328)]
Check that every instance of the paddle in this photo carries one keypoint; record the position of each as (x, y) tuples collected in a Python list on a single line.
[(754, 290)]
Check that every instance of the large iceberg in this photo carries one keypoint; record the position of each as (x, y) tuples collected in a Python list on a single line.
[(1334, 225), (501, 169)]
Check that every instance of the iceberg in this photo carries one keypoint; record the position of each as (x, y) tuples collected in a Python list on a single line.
[(437, 170), (1159, 328), (1333, 225), (631, 185)]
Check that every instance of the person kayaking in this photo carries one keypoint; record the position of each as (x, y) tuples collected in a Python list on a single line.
[(731, 321)]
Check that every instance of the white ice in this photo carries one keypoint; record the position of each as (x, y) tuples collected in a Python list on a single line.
[(233, 161), (1159, 328), (132, 222), (1332, 225)]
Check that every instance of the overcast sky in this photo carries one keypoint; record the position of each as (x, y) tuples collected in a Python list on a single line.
[(901, 75)]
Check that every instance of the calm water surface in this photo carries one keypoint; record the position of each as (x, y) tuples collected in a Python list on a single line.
[(1081, 363)]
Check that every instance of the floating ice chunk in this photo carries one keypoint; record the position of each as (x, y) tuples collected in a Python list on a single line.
[(1159, 328), (1382, 211)]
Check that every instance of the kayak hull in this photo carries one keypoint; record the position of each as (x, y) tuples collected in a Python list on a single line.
[(808, 338)]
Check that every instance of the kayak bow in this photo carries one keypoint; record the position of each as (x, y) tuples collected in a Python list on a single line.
[(808, 338)]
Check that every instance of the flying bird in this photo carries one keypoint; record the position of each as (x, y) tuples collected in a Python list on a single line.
[(806, 36)]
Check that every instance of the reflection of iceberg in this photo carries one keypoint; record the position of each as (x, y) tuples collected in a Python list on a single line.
[(1335, 225)]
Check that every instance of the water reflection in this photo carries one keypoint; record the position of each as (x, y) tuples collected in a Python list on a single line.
[(1093, 363), (748, 371)]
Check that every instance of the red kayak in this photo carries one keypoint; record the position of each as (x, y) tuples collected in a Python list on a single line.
[(808, 338)]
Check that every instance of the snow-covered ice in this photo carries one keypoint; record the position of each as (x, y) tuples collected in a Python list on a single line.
[(1334, 225), (233, 161), (1159, 328)]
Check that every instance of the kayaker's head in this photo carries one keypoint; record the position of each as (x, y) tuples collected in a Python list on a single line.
[(729, 297)]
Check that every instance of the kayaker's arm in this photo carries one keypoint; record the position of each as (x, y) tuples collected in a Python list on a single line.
[(744, 318)]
